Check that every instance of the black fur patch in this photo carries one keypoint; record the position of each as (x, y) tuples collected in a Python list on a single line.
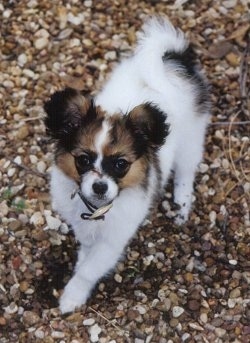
[(147, 124), (85, 162), (65, 116), (187, 61)]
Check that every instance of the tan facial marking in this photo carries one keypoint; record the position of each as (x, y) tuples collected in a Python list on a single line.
[(136, 174), (66, 163)]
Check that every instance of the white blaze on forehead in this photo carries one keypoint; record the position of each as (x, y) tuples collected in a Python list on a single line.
[(100, 141)]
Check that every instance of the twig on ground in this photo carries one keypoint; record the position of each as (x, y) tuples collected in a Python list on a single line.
[(243, 76), (110, 322), (226, 123), (22, 166), (40, 117), (230, 149)]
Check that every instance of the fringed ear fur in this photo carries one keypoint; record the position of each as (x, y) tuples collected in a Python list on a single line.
[(66, 111), (147, 124)]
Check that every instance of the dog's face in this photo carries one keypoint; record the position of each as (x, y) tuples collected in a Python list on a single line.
[(103, 154)]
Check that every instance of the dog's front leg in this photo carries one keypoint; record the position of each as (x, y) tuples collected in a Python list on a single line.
[(101, 257)]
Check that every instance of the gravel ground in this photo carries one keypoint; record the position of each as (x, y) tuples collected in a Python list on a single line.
[(188, 284)]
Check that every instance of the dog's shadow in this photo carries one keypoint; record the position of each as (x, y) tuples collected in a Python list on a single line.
[(58, 265)]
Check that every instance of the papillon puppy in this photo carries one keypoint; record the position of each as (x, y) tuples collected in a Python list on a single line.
[(114, 153)]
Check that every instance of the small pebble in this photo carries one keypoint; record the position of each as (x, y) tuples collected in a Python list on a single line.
[(22, 59), (204, 317), (23, 132), (57, 334), (229, 3), (246, 276), (4, 209), (110, 56), (203, 168), (235, 293), (11, 172), (53, 223), (40, 334), (37, 219), (14, 225), (193, 305), (64, 229), (94, 332), (24, 285), (185, 337), (141, 309), (231, 303), (65, 34), (220, 332), (139, 340), (2, 321), (88, 3), (41, 43), (89, 322), (195, 326), (33, 159), (41, 166), (18, 160), (76, 20), (30, 318), (118, 278), (233, 262), (173, 322), (177, 311), (11, 309)]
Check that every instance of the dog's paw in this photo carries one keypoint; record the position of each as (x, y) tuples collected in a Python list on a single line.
[(179, 220), (68, 304), (182, 216), (75, 294)]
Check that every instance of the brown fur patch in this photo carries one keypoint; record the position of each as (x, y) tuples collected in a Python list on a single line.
[(136, 175), (120, 141), (66, 163), (88, 136)]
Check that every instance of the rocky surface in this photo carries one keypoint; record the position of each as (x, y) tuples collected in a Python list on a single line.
[(188, 284)]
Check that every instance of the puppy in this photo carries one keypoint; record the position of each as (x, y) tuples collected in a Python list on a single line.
[(114, 153)]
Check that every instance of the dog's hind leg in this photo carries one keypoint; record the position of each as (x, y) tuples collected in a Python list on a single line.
[(188, 157)]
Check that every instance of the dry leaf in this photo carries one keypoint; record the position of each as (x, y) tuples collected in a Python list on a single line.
[(240, 32), (220, 50)]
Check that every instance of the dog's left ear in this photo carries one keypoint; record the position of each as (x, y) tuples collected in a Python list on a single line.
[(148, 124)]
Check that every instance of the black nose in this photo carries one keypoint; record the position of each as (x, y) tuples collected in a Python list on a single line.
[(100, 188)]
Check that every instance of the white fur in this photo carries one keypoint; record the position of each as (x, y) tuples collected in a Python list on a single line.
[(138, 79), (97, 175)]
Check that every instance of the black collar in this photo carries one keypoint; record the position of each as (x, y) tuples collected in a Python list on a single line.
[(95, 212)]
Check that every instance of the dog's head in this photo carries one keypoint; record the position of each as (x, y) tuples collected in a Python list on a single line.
[(103, 154)]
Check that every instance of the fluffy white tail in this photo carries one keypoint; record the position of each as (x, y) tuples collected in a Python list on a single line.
[(158, 37)]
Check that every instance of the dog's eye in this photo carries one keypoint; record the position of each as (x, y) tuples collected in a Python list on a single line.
[(83, 160), (121, 164)]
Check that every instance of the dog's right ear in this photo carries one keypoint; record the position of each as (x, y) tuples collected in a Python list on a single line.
[(67, 110)]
